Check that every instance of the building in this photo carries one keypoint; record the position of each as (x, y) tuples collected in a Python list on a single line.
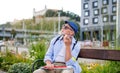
[(98, 19), (39, 16)]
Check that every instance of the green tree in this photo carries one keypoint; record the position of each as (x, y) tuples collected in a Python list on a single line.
[(77, 35), (51, 13), (13, 33)]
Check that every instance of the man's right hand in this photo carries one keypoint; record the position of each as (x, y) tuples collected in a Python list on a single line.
[(67, 40), (49, 65)]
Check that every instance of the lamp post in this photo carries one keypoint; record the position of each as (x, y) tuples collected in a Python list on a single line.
[(118, 24), (101, 34), (3, 31), (24, 30), (54, 28), (58, 21)]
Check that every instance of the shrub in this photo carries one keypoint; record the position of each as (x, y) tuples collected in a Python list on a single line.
[(1, 60), (114, 66), (8, 59), (5, 65), (108, 67), (37, 51), (19, 68)]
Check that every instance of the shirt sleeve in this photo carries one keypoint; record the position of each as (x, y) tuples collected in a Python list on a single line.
[(75, 53), (49, 53)]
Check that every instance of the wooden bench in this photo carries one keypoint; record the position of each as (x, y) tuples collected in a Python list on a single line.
[(101, 54)]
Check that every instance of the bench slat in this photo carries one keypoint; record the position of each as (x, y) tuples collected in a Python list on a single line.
[(101, 54)]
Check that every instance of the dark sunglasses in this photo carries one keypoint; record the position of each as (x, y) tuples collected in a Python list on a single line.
[(66, 27)]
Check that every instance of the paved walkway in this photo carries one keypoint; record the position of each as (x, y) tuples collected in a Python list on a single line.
[(2, 71)]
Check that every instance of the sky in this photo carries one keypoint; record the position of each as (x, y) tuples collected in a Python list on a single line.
[(23, 9)]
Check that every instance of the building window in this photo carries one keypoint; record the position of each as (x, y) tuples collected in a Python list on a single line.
[(95, 4), (86, 0), (85, 6), (96, 12), (105, 18), (114, 1), (105, 2), (95, 20), (87, 13), (113, 18), (113, 9), (104, 10), (85, 22)]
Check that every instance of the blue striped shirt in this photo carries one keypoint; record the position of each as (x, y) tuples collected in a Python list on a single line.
[(54, 49)]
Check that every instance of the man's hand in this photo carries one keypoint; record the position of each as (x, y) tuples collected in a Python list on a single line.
[(49, 65), (67, 40)]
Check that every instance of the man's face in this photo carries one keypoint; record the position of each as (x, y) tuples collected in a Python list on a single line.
[(67, 30)]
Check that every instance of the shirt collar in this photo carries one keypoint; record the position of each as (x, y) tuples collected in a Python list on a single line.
[(73, 40)]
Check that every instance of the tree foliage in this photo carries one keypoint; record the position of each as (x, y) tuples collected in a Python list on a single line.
[(13, 33), (73, 16), (51, 13)]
